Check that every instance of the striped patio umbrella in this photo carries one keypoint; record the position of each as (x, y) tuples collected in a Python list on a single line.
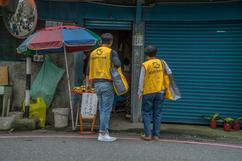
[(55, 39), (58, 39)]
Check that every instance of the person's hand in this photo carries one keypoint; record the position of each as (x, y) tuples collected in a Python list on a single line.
[(139, 98), (86, 80), (88, 83), (89, 87)]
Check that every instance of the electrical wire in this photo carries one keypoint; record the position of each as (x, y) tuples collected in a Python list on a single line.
[(205, 2)]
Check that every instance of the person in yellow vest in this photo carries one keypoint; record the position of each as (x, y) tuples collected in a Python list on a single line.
[(151, 87), (100, 62)]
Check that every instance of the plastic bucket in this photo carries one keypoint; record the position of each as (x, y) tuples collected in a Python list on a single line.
[(61, 117)]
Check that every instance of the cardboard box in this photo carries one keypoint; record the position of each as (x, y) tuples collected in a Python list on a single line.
[(4, 75), (4, 2)]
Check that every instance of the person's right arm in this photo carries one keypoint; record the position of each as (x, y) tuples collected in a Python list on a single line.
[(141, 82), (115, 59), (89, 83)]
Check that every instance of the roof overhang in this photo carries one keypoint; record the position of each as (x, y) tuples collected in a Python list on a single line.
[(146, 2)]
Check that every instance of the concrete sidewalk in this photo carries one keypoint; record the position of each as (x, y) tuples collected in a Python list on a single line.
[(178, 131), (121, 126)]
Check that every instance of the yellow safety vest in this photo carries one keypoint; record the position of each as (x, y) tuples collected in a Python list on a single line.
[(153, 80), (100, 63)]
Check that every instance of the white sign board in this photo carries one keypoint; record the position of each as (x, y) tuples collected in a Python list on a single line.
[(89, 105), (138, 40)]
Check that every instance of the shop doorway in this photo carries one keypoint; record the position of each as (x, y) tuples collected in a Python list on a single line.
[(123, 45)]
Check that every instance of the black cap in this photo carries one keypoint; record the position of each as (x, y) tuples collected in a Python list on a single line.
[(106, 38), (150, 50)]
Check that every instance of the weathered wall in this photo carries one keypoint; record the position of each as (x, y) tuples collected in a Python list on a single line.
[(17, 80)]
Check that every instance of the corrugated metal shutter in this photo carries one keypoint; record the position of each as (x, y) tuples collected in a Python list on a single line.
[(109, 25), (206, 59)]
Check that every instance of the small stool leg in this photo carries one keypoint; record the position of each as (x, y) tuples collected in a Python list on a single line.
[(77, 114), (81, 125), (93, 123)]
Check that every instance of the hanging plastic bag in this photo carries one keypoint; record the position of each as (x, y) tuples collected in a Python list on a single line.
[(120, 83), (172, 92), (46, 81)]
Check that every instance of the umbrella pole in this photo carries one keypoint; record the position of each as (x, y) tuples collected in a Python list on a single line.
[(28, 86), (69, 89)]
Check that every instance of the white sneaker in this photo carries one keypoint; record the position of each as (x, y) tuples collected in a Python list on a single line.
[(106, 137), (100, 137)]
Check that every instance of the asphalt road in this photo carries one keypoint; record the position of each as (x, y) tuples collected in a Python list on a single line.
[(77, 149)]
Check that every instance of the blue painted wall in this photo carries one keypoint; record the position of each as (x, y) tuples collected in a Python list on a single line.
[(194, 12), (77, 12)]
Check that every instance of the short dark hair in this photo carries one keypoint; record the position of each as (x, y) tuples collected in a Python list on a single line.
[(106, 38), (150, 50)]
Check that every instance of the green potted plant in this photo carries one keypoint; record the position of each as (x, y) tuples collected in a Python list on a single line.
[(228, 122), (213, 120), (236, 123)]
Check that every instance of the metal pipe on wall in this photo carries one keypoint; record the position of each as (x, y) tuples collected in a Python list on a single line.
[(28, 87)]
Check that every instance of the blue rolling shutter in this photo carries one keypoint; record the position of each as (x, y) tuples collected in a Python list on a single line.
[(206, 59), (109, 25)]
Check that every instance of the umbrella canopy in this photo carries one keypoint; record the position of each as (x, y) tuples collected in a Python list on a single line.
[(53, 40)]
